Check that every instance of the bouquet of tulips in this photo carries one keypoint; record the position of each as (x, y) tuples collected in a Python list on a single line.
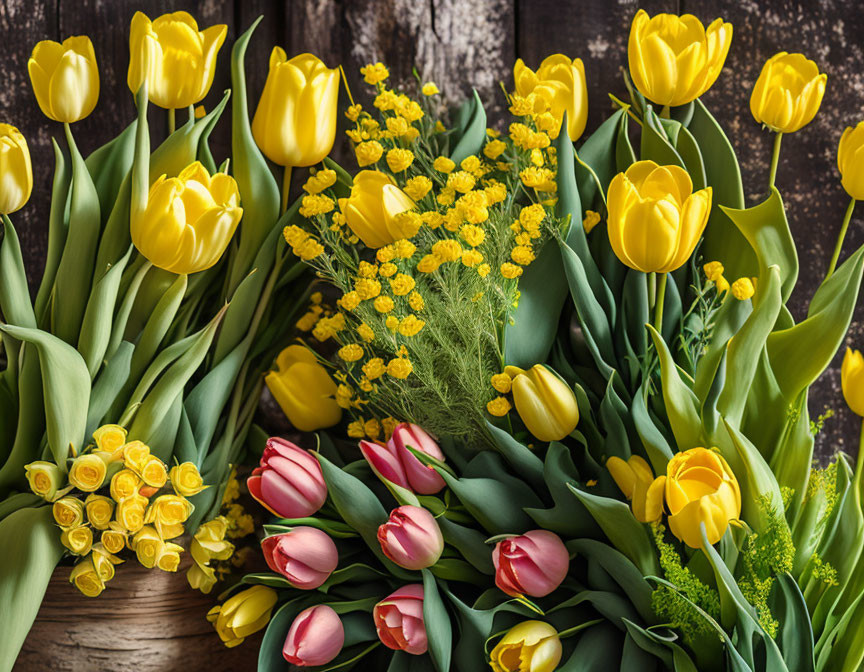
[(580, 398)]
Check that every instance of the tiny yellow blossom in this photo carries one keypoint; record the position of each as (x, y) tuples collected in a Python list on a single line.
[(355, 429), (430, 89), (384, 304), (483, 270), (428, 264), (494, 149), (402, 284), (367, 288), (415, 300), (498, 407), (374, 368), (461, 181), (316, 204), (392, 323), (418, 187), (522, 255), (743, 289), (368, 153), (713, 270), (510, 271), (591, 220), (350, 300), (385, 254), (411, 326), (399, 159), (388, 270), (399, 367), (350, 353), (374, 73), (502, 383), (447, 250), (443, 165), (471, 258), (404, 249), (365, 332), (323, 179), (353, 112)]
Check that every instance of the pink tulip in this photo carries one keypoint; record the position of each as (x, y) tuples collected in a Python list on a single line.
[(397, 464), (385, 463), (315, 638), (305, 556), (399, 620), (534, 564), (289, 483), (411, 538)]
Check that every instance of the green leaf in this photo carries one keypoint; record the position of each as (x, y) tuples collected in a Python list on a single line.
[(795, 637), (109, 166), (470, 129), (599, 152), (437, 622), (157, 326), (520, 458), (15, 303), (655, 444), (470, 543), (57, 226), (655, 142), (107, 386)]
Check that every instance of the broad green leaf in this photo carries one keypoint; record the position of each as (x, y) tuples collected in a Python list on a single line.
[(656, 146), (655, 444), (14, 293), (795, 636), (57, 229), (109, 166), (437, 622), (520, 458), (682, 406), (470, 129), (599, 152), (107, 386), (157, 325)]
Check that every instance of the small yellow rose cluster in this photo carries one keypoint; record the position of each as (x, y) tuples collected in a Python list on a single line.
[(130, 514)]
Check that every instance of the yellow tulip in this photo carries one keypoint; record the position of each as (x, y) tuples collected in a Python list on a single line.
[(545, 403), (850, 161), (99, 511), (244, 614), (77, 539), (675, 59), (852, 380), (304, 390), (295, 123), (182, 59), (636, 480), (372, 209), (65, 78), (186, 479), (188, 221), (86, 579), (655, 219), (45, 479), (531, 645), (701, 488), (68, 512), (788, 93), (87, 472), (16, 172), (560, 82)]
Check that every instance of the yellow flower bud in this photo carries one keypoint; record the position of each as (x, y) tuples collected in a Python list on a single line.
[(135, 456), (154, 473), (295, 123), (545, 403), (77, 539), (16, 171), (429, 89), (243, 614), (743, 289), (700, 488), (788, 93), (68, 512), (560, 85), (850, 161), (99, 511), (498, 407), (109, 438), (124, 483), (169, 558), (130, 512), (86, 579), (186, 479), (502, 383), (189, 220), (148, 546), (65, 78), (201, 577), (675, 59), (713, 270), (372, 209), (531, 645), (655, 219), (591, 220), (45, 479), (103, 562), (87, 472), (169, 512), (636, 480), (180, 60), (852, 379), (304, 390), (114, 538)]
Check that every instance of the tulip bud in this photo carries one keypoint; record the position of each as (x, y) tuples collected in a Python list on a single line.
[(655, 221), (305, 556), (86, 579), (295, 123), (68, 512), (16, 171), (87, 472), (701, 489), (531, 645), (186, 479), (636, 480), (289, 483), (65, 78), (788, 93), (533, 564), (850, 161), (99, 511), (852, 380), (304, 390), (399, 620), (188, 221), (315, 637), (45, 479), (560, 83), (675, 59), (545, 403), (243, 614), (385, 463), (180, 60), (411, 538), (423, 479), (371, 211)]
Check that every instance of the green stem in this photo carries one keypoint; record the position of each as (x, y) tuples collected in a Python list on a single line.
[(652, 289), (172, 121), (658, 307), (665, 113), (775, 158), (839, 245), (286, 188)]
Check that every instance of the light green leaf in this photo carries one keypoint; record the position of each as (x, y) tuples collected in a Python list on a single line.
[(437, 622), (470, 129)]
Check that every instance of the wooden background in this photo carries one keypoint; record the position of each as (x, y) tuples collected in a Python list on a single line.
[(465, 43)]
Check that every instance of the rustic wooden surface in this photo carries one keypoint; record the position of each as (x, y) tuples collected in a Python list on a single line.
[(465, 43)]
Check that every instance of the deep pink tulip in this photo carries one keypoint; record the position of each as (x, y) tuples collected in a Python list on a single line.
[(305, 556), (385, 463), (315, 638), (534, 564), (424, 480), (399, 620), (411, 538), (289, 483)]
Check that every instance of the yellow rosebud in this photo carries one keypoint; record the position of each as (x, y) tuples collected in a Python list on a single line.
[(304, 390), (77, 539), (65, 78), (545, 403), (201, 577), (87, 472), (189, 220), (655, 219), (180, 60), (148, 546), (531, 645), (186, 479), (560, 83), (243, 614), (114, 538), (103, 562), (99, 511), (154, 473), (295, 123), (109, 438), (86, 579), (852, 379), (130, 512), (850, 161), (788, 93), (675, 59), (701, 488), (135, 456), (45, 479), (636, 480), (16, 171), (68, 512), (124, 483), (169, 558), (372, 209), (168, 513)]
